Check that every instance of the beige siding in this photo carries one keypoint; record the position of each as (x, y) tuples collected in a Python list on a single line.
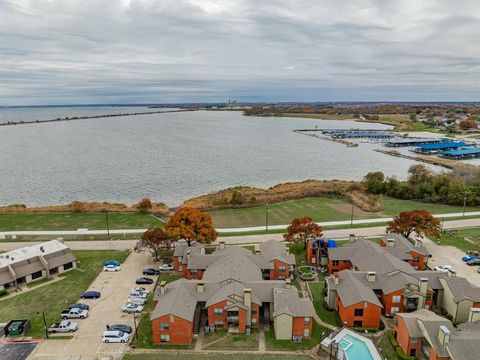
[(448, 302), (283, 327), (463, 310)]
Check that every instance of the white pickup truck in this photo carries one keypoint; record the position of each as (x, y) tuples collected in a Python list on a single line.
[(74, 313), (63, 327)]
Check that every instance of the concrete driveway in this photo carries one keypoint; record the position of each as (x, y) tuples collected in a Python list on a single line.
[(87, 341), (449, 255)]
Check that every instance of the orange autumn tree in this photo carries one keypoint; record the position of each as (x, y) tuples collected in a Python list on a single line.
[(193, 225), (156, 241), (420, 222), (302, 230)]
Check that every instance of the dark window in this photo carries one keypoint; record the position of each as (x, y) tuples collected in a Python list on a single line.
[(413, 352), (36, 275), (428, 297), (357, 324), (358, 312), (193, 272), (335, 262), (254, 309), (164, 326), (68, 266)]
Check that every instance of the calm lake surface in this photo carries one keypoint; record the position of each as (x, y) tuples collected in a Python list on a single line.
[(169, 157)]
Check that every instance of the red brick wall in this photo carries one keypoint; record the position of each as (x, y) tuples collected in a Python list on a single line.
[(387, 301), (403, 337), (312, 254), (242, 320), (257, 315), (299, 326), (180, 330), (434, 356), (370, 318), (275, 273), (176, 263), (211, 313), (188, 275), (420, 265), (342, 265)]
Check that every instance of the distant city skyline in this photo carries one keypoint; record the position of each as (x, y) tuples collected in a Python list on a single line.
[(136, 52)]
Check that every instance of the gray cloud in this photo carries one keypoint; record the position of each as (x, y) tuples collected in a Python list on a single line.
[(100, 51)]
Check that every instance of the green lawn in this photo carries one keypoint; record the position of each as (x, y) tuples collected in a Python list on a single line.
[(288, 345), (76, 220), (319, 209), (53, 298), (145, 328), (464, 239), (222, 340), (316, 288), (211, 356), (387, 349)]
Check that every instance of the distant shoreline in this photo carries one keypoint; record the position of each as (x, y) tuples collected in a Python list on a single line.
[(12, 123)]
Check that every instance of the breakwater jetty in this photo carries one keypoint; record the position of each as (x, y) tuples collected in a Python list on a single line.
[(323, 137), (21, 122)]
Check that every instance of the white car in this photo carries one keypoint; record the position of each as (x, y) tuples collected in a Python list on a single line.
[(115, 336), (445, 268), (132, 308), (139, 290), (137, 300), (111, 268), (165, 267)]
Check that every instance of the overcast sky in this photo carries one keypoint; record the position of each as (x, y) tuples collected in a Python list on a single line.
[(141, 51)]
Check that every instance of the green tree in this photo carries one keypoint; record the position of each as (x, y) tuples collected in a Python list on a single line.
[(374, 181)]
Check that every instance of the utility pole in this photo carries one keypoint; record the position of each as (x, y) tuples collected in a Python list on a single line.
[(108, 227), (45, 324), (135, 324)]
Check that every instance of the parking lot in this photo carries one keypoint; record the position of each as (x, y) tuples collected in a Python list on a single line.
[(449, 255), (87, 340)]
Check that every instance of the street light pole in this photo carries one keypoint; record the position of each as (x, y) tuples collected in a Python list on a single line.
[(44, 324), (108, 226), (266, 218), (351, 217)]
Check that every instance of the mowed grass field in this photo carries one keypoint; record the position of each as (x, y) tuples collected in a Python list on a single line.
[(77, 220), (55, 297), (319, 209)]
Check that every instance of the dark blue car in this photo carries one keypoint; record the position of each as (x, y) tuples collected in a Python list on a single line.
[(90, 295), (469, 257)]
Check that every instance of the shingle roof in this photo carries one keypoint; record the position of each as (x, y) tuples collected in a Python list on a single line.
[(462, 289), (465, 342), (229, 289), (286, 301), (368, 256), (402, 246), (230, 266), (352, 291), (178, 301), (276, 250), (412, 320)]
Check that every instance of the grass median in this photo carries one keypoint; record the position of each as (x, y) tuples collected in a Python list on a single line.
[(53, 298)]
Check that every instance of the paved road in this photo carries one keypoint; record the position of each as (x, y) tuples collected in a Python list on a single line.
[(233, 240), (221, 230), (115, 287)]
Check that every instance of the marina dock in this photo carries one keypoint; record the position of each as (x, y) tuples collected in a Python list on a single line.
[(462, 154)]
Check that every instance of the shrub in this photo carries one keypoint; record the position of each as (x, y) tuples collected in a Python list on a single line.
[(3, 293), (401, 354), (392, 339)]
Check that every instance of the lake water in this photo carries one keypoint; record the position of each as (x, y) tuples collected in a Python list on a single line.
[(169, 157)]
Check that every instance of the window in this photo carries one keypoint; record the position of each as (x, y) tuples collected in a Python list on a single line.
[(193, 271), (164, 325), (306, 320), (254, 321), (282, 268), (68, 266), (218, 323), (428, 297), (396, 299), (335, 262), (254, 310), (394, 309), (281, 277), (306, 333), (357, 324), (413, 352), (180, 267), (36, 275), (413, 340), (164, 338), (415, 259), (358, 312), (218, 311)]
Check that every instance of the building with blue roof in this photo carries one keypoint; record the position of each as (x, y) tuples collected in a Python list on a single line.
[(462, 154), (445, 146)]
